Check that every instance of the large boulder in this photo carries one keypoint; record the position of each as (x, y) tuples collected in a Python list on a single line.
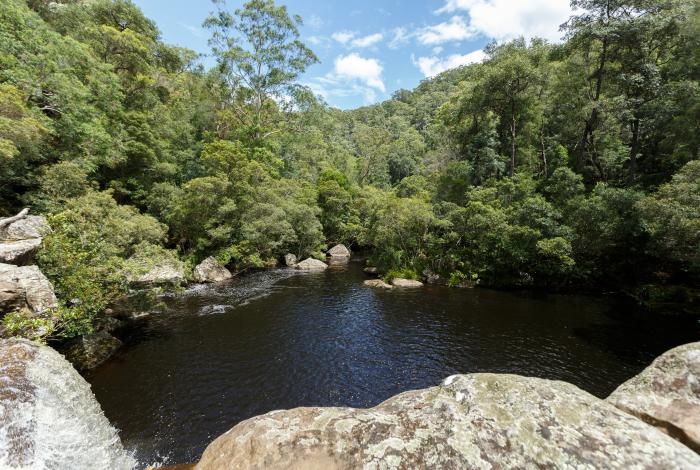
[(667, 394), (311, 264), (12, 297), (90, 351), (290, 260), (471, 421), (339, 251), (49, 417), (408, 283), (20, 237), (37, 292), (162, 273), (210, 270), (377, 284)]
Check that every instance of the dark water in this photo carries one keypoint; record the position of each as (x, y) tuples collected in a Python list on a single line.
[(214, 356)]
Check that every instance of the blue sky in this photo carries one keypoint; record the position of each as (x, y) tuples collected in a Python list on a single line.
[(371, 48)]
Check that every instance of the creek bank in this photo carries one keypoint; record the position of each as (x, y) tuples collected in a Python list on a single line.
[(470, 421)]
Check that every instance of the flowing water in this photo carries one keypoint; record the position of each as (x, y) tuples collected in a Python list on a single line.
[(205, 359)]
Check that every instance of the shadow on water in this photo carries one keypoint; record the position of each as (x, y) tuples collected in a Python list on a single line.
[(209, 357)]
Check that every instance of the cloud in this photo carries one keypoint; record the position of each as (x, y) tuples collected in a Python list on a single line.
[(367, 41), (456, 29), (431, 66), (507, 19), (315, 21), (352, 75), (400, 37), (343, 37), (354, 66)]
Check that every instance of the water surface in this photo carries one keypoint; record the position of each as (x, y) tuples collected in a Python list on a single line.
[(210, 357)]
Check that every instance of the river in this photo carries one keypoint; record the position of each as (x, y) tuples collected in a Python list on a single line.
[(207, 358)]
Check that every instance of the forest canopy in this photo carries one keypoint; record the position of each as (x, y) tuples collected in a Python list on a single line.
[(567, 166)]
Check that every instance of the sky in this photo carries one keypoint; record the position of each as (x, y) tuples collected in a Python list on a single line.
[(368, 49)]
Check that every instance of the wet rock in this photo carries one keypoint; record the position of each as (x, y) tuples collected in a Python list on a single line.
[(290, 260), (667, 394), (371, 270), (339, 251), (471, 421), (378, 284), (210, 270), (49, 417), (38, 291), (90, 351), (311, 264), (408, 283), (163, 273)]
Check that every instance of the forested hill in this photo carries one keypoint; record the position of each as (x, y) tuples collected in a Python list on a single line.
[(569, 166)]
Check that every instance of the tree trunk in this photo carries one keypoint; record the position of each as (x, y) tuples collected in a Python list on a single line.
[(10, 220), (586, 144), (513, 131)]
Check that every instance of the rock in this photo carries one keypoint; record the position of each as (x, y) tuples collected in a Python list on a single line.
[(163, 273), (378, 284), (49, 417), (471, 421), (312, 264), (667, 394), (12, 297), (290, 260), (210, 270), (339, 251), (398, 282), (433, 278), (38, 291), (371, 270), (90, 351), (20, 238)]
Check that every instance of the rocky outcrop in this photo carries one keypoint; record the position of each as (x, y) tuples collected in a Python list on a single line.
[(162, 273), (210, 270), (20, 237), (290, 260), (89, 351), (49, 417), (339, 251), (311, 264), (36, 293), (378, 284), (407, 283), (12, 297), (667, 394), (471, 421)]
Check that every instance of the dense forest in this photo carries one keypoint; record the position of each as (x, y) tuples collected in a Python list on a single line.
[(568, 166)]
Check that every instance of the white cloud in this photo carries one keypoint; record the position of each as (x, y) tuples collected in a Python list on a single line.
[(401, 37), (354, 66), (343, 37), (431, 66), (368, 41), (315, 21), (456, 29), (507, 19)]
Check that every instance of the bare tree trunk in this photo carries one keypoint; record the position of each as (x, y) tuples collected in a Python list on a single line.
[(10, 220), (513, 131)]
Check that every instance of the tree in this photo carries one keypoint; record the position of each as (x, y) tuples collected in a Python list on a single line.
[(260, 56)]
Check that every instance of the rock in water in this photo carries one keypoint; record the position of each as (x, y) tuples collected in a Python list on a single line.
[(38, 291), (339, 251), (49, 418), (290, 260), (210, 270), (378, 284), (667, 394), (406, 283), (471, 421), (312, 264), (89, 351)]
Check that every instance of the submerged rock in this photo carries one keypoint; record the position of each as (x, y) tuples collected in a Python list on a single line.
[(90, 351), (339, 251), (210, 270), (378, 284), (371, 270), (37, 292), (471, 421), (667, 394), (398, 282), (312, 264), (290, 260), (49, 417)]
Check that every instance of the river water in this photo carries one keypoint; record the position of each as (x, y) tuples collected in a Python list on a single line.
[(203, 360)]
